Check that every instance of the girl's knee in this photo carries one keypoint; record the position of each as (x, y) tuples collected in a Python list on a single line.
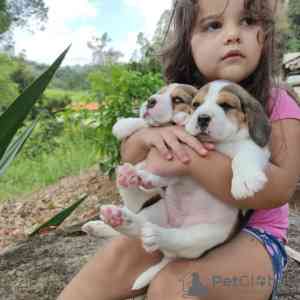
[(168, 284), (123, 247)]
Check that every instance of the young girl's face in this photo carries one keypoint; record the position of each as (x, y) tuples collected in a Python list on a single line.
[(226, 44)]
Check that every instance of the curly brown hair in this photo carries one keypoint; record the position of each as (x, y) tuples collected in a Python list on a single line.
[(178, 62)]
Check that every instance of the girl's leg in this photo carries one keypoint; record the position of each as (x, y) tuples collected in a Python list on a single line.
[(111, 273), (239, 269)]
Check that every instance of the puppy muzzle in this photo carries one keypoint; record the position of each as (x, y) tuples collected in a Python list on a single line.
[(203, 121)]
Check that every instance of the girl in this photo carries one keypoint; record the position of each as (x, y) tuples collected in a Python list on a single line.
[(220, 39)]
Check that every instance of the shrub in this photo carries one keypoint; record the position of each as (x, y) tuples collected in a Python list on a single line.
[(121, 91)]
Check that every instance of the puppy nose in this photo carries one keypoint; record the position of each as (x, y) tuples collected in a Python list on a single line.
[(203, 121), (151, 103)]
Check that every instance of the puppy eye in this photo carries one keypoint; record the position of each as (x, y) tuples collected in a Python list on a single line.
[(177, 100), (195, 104), (226, 106)]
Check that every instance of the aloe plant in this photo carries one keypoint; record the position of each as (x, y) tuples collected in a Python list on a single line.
[(12, 119)]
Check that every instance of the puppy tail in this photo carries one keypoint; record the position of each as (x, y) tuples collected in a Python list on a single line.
[(145, 278)]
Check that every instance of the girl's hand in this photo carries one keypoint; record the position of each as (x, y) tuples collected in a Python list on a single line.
[(170, 140), (156, 164)]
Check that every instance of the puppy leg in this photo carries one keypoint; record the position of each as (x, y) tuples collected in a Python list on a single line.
[(128, 183), (187, 242), (249, 178), (122, 220), (99, 229)]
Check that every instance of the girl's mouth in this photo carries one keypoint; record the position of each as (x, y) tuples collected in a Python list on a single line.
[(233, 54)]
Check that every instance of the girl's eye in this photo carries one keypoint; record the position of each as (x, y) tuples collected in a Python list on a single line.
[(177, 100), (249, 21), (213, 26), (226, 106)]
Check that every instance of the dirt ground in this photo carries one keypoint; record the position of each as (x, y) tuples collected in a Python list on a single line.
[(54, 255)]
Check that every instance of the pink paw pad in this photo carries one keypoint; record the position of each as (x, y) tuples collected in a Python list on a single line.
[(127, 176), (112, 215)]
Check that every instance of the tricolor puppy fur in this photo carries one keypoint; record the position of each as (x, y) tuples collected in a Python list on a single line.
[(171, 104), (188, 220)]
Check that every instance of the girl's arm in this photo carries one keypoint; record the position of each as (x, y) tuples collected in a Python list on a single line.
[(167, 140), (214, 171)]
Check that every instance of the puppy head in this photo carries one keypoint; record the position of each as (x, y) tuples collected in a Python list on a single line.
[(171, 102), (255, 117), (224, 111)]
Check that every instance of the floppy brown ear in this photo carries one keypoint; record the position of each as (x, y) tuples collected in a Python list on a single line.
[(190, 90), (258, 122)]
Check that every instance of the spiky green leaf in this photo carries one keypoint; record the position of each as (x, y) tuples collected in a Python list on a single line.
[(12, 119)]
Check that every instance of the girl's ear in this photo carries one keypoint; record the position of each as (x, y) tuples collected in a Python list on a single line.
[(257, 120)]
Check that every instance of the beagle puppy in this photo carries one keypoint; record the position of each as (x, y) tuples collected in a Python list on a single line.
[(171, 104), (188, 220), (226, 114)]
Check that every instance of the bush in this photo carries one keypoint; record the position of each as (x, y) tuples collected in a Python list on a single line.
[(121, 92), (8, 89)]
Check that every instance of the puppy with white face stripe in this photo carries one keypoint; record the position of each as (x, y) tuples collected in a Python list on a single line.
[(171, 104), (188, 220), (226, 114)]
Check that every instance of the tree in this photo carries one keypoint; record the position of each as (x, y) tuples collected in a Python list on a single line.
[(161, 29), (8, 89), (4, 17), (15, 13), (293, 35), (100, 55)]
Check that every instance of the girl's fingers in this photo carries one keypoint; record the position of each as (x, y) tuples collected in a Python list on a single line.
[(193, 143), (209, 146), (162, 148), (176, 147)]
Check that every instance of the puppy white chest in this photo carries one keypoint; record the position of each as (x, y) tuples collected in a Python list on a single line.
[(187, 204)]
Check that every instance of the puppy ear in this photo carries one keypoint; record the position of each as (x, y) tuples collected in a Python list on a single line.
[(190, 90), (258, 122)]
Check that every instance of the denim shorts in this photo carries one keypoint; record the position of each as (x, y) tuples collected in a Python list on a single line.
[(275, 248)]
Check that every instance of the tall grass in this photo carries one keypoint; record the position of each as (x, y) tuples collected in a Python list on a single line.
[(76, 153), (73, 96)]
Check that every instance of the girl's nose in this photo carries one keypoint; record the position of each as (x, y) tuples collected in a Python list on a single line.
[(233, 39), (232, 35)]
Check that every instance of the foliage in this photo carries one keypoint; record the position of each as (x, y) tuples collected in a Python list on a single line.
[(121, 92), (146, 59), (101, 55), (293, 35), (76, 149), (18, 13), (8, 89), (72, 78), (44, 139), (12, 119), (22, 74), (4, 16)]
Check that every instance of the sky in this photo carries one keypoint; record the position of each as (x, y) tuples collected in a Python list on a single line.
[(77, 21)]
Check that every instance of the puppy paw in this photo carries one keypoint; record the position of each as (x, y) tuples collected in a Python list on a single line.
[(149, 180), (127, 176), (98, 229), (114, 216), (150, 235), (246, 185)]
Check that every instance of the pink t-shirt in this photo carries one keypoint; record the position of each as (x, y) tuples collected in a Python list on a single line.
[(275, 220)]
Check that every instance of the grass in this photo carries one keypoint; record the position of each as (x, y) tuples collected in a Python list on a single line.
[(74, 96), (75, 153)]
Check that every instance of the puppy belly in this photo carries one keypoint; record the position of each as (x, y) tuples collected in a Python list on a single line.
[(189, 204)]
